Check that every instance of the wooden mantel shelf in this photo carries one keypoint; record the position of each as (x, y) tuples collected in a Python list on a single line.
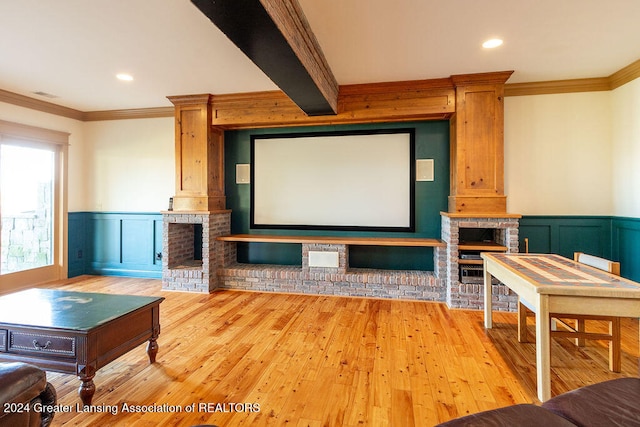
[(334, 240), (480, 215)]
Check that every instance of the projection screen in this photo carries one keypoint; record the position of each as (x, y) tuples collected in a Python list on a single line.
[(359, 180)]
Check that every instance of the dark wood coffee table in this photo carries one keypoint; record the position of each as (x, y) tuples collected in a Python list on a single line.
[(76, 332)]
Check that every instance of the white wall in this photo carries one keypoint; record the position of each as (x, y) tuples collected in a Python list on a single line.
[(115, 165), (626, 149), (565, 154), (558, 154), (130, 165)]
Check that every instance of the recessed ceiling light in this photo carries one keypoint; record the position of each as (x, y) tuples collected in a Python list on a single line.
[(124, 77), (490, 44)]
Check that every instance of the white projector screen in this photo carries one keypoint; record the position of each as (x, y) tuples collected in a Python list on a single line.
[(361, 180)]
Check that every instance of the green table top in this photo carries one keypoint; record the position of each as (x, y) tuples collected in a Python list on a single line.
[(78, 311)]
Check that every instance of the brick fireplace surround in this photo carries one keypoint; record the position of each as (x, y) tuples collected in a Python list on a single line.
[(180, 270), (470, 295), (473, 104), (219, 269)]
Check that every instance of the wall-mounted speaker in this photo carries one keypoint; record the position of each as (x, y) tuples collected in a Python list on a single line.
[(324, 259), (424, 170), (243, 174)]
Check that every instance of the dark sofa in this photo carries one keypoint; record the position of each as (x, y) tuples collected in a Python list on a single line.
[(26, 398), (614, 403)]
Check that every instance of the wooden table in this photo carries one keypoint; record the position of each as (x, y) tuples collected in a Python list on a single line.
[(554, 284), (76, 332)]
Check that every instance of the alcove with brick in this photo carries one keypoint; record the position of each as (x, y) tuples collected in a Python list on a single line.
[(472, 103)]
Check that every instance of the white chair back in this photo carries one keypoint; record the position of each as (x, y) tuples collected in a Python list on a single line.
[(597, 262)]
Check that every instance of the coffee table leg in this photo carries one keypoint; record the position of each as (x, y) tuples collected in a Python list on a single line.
[(152, 350), (87, 388)]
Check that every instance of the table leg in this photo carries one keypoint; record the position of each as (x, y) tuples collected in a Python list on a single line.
[(87, 387), (523, 333), (488, 320), (152, 349), (543, 348)]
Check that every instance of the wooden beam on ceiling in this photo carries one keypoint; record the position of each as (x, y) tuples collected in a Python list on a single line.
[(276, 36)]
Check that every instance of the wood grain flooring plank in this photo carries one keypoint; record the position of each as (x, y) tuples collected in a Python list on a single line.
[(306, 360)]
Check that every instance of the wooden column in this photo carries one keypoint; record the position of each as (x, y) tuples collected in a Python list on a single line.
[(477, 144), (199, 156)]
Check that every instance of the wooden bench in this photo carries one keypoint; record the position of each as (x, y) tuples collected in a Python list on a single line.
[(334, 240)]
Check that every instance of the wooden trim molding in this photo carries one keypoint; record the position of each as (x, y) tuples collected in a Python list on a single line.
[(134, 113), (32, 133), (480, 215), (614, 81), (625, 75), (499, 77), (39, 105), (347, 92), (557, 86), (83, 116), (370, 103)]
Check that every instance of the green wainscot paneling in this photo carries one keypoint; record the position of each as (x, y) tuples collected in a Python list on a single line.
[(77, 243), (115, 243), (432, 142), (106, 243), (615, 238), (128, 244), (625, 237), (565, 235)]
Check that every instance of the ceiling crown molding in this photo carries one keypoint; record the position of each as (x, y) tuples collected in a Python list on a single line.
[(557, 86), (133, 113), (38, 105), (617, 79), (625, 75), (614, 81)]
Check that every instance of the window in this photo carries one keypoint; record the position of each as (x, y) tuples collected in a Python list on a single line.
[(27, 176), (32, 211)]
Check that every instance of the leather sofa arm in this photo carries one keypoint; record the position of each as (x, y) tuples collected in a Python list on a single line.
[(49, 398), (22, 386), (20, 383)]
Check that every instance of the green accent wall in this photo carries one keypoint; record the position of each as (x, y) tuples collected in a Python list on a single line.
[(115, 244), (565, 235), (431, 142), (625, 246), (126, 244), (613, 238)]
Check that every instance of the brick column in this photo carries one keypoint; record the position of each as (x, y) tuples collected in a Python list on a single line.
[(342, 255), (470, 295), (180, 271)]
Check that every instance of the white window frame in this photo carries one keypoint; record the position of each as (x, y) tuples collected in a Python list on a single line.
[(59, 142)]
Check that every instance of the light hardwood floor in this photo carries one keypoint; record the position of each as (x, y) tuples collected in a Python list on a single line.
[(322, 361)]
